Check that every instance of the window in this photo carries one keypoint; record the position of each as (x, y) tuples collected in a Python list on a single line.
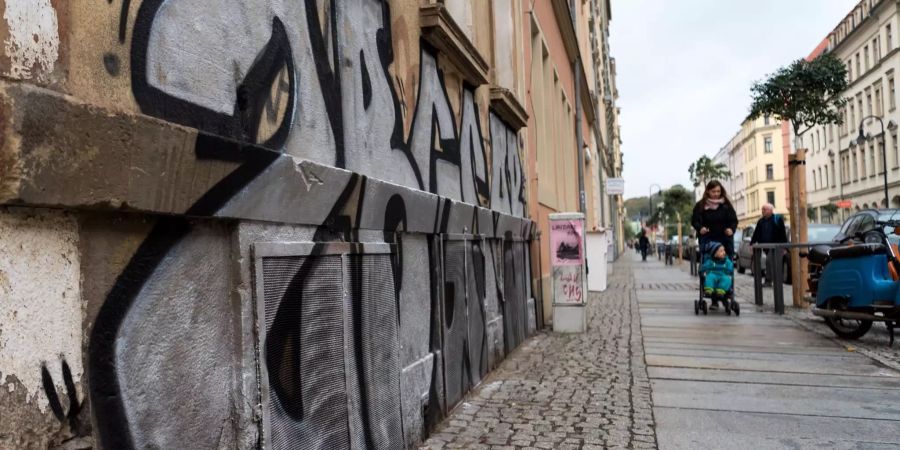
[(830, 133), (854, 167), (852, 115), (869, 101), (879, 106), (892, 102), (866, 56), (872, 168), (767, 144), (862, 160), (770, 197), (770, 172), (876, 50), (827, 180), (821, 180), (766, 119), (894, 149), (888, 38), (849, 70), (814, 179), (858, 66)]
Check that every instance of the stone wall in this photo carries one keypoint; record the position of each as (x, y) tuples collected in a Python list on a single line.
[(261, 223)]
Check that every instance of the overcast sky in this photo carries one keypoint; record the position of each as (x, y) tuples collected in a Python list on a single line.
[(684, 70)]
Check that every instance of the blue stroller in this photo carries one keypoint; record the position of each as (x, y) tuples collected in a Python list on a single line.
[(726, 297)]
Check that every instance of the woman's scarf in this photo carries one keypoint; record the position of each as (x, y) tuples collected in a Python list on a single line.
[(714, 203)]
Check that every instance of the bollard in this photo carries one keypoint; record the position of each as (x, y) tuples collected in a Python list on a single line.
[(776, 255), (757, 276)]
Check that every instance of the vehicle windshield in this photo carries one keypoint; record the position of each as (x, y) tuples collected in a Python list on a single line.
[(889, 230), (822, 233)]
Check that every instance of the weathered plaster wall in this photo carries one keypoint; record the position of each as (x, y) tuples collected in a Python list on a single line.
[(40, 324), (186, 140)]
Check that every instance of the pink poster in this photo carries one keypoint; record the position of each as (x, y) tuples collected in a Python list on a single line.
[(566, 242)]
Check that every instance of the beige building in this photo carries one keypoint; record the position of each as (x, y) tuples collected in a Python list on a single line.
[(756, 158), (838, 167)]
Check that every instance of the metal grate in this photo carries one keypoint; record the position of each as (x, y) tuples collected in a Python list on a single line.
[(477, 348), (304, 352), (455, 322), (375, 362), (514, 301)]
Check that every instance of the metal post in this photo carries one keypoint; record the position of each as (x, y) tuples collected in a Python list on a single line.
[(757, 276), (884, 166), (776, 256)]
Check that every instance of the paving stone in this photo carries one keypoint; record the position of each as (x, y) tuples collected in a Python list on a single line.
[(566, 391)]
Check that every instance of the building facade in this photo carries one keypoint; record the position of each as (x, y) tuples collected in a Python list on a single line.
[(296, 224), (838, 166), (756, 157)]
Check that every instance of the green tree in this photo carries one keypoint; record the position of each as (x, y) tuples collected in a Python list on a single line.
[(705, 170), (807, 93), (675, 200)]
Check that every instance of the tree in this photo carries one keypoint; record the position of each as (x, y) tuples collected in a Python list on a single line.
[(705, 170), (675, 200), (806, 93)]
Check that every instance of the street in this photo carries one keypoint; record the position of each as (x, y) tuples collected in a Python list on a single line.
[(649, 373)]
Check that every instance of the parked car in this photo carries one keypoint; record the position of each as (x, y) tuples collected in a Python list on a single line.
[(815, 233), (738, 238), (856, 225)]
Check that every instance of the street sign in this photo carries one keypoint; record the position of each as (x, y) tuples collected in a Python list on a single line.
[(846, 204), (615, 186)]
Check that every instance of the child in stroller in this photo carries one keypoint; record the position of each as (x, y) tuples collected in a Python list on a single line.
[(717, 279)]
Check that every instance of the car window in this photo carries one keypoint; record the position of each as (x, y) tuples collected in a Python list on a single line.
[(851, 225), (866, 223)]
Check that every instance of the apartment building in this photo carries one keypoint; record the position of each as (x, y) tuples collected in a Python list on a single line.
[(839, 166), (755, 156)]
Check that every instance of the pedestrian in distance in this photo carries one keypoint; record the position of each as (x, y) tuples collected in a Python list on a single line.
[(718, 269), (769, 229), (714, 220), (644, 245)]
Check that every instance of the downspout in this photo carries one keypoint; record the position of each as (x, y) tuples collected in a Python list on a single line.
[(579, 137)]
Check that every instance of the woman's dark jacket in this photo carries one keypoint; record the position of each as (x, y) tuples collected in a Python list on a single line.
[(716, 220)]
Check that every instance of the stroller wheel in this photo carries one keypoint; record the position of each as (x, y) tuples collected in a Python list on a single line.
[(726, 304), (703, 307), (736, 307), (696, 307)]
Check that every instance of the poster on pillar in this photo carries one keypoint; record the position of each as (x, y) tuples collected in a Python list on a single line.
[(567, 258)]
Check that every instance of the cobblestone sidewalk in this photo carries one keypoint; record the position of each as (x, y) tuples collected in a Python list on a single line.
[(557, 391)]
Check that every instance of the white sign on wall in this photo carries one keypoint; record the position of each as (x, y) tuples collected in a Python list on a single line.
[(615, 186)]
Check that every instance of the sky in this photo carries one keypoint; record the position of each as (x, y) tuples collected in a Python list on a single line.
[(684, 71)]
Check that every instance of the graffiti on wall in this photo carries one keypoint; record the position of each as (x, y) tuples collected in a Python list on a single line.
[(281, 82)]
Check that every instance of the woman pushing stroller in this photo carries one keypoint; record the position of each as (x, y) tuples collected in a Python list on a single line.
[(715, 221)]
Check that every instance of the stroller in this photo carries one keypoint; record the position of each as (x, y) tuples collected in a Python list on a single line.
[(728, 302)]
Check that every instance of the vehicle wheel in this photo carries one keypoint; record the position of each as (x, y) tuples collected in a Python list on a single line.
[(786, 271), (736, 307), (727, 305), (704, 307), (848, 328), (696, 307)]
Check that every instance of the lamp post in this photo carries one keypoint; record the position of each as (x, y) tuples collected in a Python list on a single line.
[(862, 138), (840, 169), (658, 189)]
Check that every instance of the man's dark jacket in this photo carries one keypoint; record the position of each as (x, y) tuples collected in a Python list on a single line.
[(769, 230)]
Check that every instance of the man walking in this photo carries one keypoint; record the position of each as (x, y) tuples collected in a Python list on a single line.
[(644, 245), (769, 230)]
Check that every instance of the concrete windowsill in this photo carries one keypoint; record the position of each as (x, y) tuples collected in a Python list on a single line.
[(441, 30)]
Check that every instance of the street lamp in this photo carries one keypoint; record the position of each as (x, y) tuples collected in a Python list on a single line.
[(658, 189), (840, 169), (862, 138)]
